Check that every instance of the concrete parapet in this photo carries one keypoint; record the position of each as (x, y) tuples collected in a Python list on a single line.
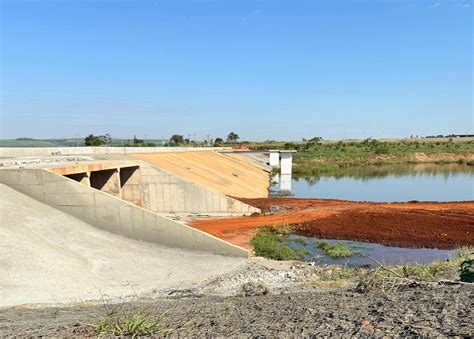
[(112, 214), (12, 152)]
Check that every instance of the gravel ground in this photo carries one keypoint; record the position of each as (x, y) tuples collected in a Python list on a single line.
[(440, 311)]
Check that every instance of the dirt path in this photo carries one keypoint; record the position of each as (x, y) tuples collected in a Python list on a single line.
[(412, 224)]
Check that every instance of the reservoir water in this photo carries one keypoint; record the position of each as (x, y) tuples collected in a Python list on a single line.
[(423, 182)]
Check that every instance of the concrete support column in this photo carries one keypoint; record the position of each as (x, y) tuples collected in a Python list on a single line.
[(274, 157), (83, 178), (107, 181), (130, 182), (86, 179), (286, 167), (286, 162)]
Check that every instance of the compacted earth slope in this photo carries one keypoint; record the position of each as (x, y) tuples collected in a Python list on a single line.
[(48, 256)]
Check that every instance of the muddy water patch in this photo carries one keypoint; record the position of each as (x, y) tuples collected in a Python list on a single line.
[(364, 254)]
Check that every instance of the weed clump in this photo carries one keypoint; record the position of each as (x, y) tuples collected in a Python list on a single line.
[(335, 251), (271, 243), (131, 324), (301, 241)]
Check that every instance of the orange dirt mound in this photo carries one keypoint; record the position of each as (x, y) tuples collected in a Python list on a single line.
[(412, 224)]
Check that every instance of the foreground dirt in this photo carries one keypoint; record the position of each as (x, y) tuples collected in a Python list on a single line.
[(411, 224), (442, 311)]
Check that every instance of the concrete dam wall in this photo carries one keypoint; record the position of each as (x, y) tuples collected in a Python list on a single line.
[(216, 171), (165, 192), (108, 211), (153, 188)]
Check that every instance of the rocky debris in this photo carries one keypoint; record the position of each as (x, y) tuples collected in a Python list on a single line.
[(231, 284), (22, 162), (249, 289)]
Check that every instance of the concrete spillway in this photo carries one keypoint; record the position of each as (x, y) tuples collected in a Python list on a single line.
[(134, 198), (228, 175)]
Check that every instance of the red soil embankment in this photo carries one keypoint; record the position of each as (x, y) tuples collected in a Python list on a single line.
[(411, 224)]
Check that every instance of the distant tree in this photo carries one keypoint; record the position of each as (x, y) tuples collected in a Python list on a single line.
[(218, 141), (316, 139), (107, 139), (177, 139), (93, 140), (137, 141), (232, 137)]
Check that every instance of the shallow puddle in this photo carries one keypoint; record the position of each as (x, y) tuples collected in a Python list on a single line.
[(368, 254)]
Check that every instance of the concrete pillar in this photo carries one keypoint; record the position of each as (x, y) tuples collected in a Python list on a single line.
[(83, 178), (286, 162), (130, 185), (274, 157), (286, 167), (107, 181)]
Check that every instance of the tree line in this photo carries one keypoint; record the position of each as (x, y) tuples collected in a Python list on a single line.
[(175, 140)]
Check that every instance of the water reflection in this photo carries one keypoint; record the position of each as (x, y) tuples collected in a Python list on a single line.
[(441, 182), (282, 183), (366, 173)]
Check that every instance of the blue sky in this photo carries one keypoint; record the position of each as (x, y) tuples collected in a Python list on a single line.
[(264, 69)]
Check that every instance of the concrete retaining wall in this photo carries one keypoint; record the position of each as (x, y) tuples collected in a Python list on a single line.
[(12, 152), (167, 193), (112, 214)]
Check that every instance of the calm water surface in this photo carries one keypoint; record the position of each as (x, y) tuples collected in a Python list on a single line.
[(368, 254), (424, 182)]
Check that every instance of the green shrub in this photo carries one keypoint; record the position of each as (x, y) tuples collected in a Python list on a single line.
[(270, 242), (335, 251), (466, 271)]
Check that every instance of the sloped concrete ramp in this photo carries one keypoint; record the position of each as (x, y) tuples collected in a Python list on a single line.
[(110, 213), (48, 256), (231, 176)]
